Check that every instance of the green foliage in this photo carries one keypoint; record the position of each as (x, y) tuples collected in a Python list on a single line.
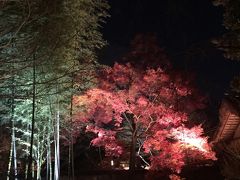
[(230, 41), (57, 39)]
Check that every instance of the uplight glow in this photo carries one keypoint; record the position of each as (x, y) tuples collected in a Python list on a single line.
[(189, 138), (194, 142)]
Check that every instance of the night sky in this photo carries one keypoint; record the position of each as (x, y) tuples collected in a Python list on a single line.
[(184, 29)]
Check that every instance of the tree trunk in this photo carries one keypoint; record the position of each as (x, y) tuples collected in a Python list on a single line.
[(33, 172), (49, 160), (49, 153), (38, 148), (56, 142), (50, 164), (13, 156), (30, 159), (38, 170), (26, 166), (14, 153), (72, 150), (10, 161), (132, 159)]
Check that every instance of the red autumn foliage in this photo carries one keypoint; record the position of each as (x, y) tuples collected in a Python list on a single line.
[(144, 111), (147, 107)]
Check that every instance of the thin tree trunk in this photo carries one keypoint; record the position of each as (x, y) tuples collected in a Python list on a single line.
[(55, 160), (26, 170), (70, 142), (58, 150), (13, 154), (48, 132), (38, 170), (41, 155), (30, 159), (33, 172), (50, 164), (49, 161), (132, 159), (72, 150), (10, 161), (56, 142), (49, 142), (38, 158)]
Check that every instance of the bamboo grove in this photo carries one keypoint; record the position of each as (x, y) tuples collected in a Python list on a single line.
[(44, 46)]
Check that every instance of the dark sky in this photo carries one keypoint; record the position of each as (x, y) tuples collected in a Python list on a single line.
[(184, 29)]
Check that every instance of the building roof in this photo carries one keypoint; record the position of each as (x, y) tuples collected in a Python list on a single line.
[(229, 127)]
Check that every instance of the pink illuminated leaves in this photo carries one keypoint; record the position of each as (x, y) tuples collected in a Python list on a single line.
[(174, 177), (166, 154), (158, 102), (193, 139), (168, 147), (106, 139)]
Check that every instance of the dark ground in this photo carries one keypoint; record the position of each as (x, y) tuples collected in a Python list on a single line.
[(200, 173)]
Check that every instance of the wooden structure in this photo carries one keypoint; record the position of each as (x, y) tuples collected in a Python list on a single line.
[(229, 128), (227, 139)]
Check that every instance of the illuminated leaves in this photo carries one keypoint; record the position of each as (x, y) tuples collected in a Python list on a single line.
[(106, 139), (151, 105)]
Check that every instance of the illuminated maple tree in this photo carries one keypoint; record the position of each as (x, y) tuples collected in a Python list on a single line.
[(142, 109), (144, 112)]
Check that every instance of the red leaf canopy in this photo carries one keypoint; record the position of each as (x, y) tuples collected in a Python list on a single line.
[(151, 103)]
